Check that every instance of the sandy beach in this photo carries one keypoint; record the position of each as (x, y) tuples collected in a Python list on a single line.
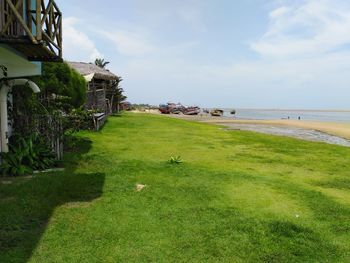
[(337, 129), (329, 132), (308, 130)]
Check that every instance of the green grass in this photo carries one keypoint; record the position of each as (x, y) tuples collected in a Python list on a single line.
[(236, 197)]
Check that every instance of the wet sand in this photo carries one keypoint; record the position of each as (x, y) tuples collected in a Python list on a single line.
[(299, 133), (336, 129), (328, 132)]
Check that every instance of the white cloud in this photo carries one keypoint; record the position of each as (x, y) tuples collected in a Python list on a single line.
[(303, 62), (279, 12), (299, 83), (187, 13), (77, 45), (129, 43), (314, 27)]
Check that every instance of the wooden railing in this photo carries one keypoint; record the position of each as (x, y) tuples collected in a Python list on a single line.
[(38, 22)]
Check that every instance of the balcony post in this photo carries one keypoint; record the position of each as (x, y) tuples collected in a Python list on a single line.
[(38, 20), (21, 21), (29, 14)]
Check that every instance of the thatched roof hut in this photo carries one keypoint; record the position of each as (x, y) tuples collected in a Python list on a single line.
[(91, 71), (101, 84)]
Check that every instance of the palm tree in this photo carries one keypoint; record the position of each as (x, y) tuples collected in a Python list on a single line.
[(117, 95), (100, 62)]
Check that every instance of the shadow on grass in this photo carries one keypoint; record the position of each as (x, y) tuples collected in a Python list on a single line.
[(26, 204)]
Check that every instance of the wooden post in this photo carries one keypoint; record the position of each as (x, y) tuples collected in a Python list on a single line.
[(9, 26), (20, 19), (60, 44), (29, 14), (38, 20)]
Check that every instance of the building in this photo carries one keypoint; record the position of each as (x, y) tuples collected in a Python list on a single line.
[(30, 32), (101, 85)]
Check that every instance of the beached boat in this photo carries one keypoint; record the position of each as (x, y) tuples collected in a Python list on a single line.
[(175, 111), (191, 111), (164, 109), (217, 113), (170, 108), (233, 112)]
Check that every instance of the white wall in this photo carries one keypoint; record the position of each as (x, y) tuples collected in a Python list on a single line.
[(17, 66)]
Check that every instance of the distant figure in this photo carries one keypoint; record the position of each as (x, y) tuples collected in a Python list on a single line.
[(299, 118), (288, 118)]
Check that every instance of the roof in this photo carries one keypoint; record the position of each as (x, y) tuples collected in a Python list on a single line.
[(90, 71)]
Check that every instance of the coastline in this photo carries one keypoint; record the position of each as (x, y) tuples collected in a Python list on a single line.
[(338, 129)]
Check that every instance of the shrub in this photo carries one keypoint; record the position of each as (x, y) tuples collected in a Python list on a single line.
[(80, 119), (60, 79), (26, 155)]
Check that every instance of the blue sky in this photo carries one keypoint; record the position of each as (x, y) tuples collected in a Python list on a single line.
[(226, 53)]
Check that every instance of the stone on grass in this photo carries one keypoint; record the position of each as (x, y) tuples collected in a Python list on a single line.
[(139, 187)]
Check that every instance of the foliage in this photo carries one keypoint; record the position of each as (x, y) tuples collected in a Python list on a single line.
[(4, 70), (63, 91), (175, 160), (59, 81), (143, 106), (100, 62), (118, 95), (26, 155), (80, 119)]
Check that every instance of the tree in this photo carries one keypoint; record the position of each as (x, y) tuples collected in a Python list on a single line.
[(59, 79), (100, 62), (117, 95)]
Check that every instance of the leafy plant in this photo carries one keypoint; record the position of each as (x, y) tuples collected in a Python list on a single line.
[(80, 119), (4, 70), (59, 81), (100, 62), (175, 160), (26, 155), (12, 163)]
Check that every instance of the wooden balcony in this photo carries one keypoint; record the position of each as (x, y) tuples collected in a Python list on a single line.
[(33, 28)]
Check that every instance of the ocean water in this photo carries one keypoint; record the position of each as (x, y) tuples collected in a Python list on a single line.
[(310, 115)]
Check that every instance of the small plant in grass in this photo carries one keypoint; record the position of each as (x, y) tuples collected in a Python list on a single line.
[(175, 160)]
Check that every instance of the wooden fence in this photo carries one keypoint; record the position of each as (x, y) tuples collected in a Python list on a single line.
[(49, 127)]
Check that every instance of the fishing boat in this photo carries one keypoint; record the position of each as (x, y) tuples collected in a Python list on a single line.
[(217, 113), (164, 109), (191, 110), (170, 108), (175, 111)]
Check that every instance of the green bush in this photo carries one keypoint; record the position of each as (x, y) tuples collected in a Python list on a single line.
[(26, 155), (80, 119), (60, 79)]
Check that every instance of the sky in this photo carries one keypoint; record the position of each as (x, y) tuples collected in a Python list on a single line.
[(218, 53)]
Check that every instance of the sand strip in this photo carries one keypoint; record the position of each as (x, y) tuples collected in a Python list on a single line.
[(329, 132)]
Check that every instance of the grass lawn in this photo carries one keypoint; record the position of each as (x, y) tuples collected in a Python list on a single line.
[(237, 197)]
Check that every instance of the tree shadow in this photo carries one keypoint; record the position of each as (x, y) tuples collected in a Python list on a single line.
[(26, 204)]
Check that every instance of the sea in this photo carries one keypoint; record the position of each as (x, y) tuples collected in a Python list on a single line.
[(309, 115)]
